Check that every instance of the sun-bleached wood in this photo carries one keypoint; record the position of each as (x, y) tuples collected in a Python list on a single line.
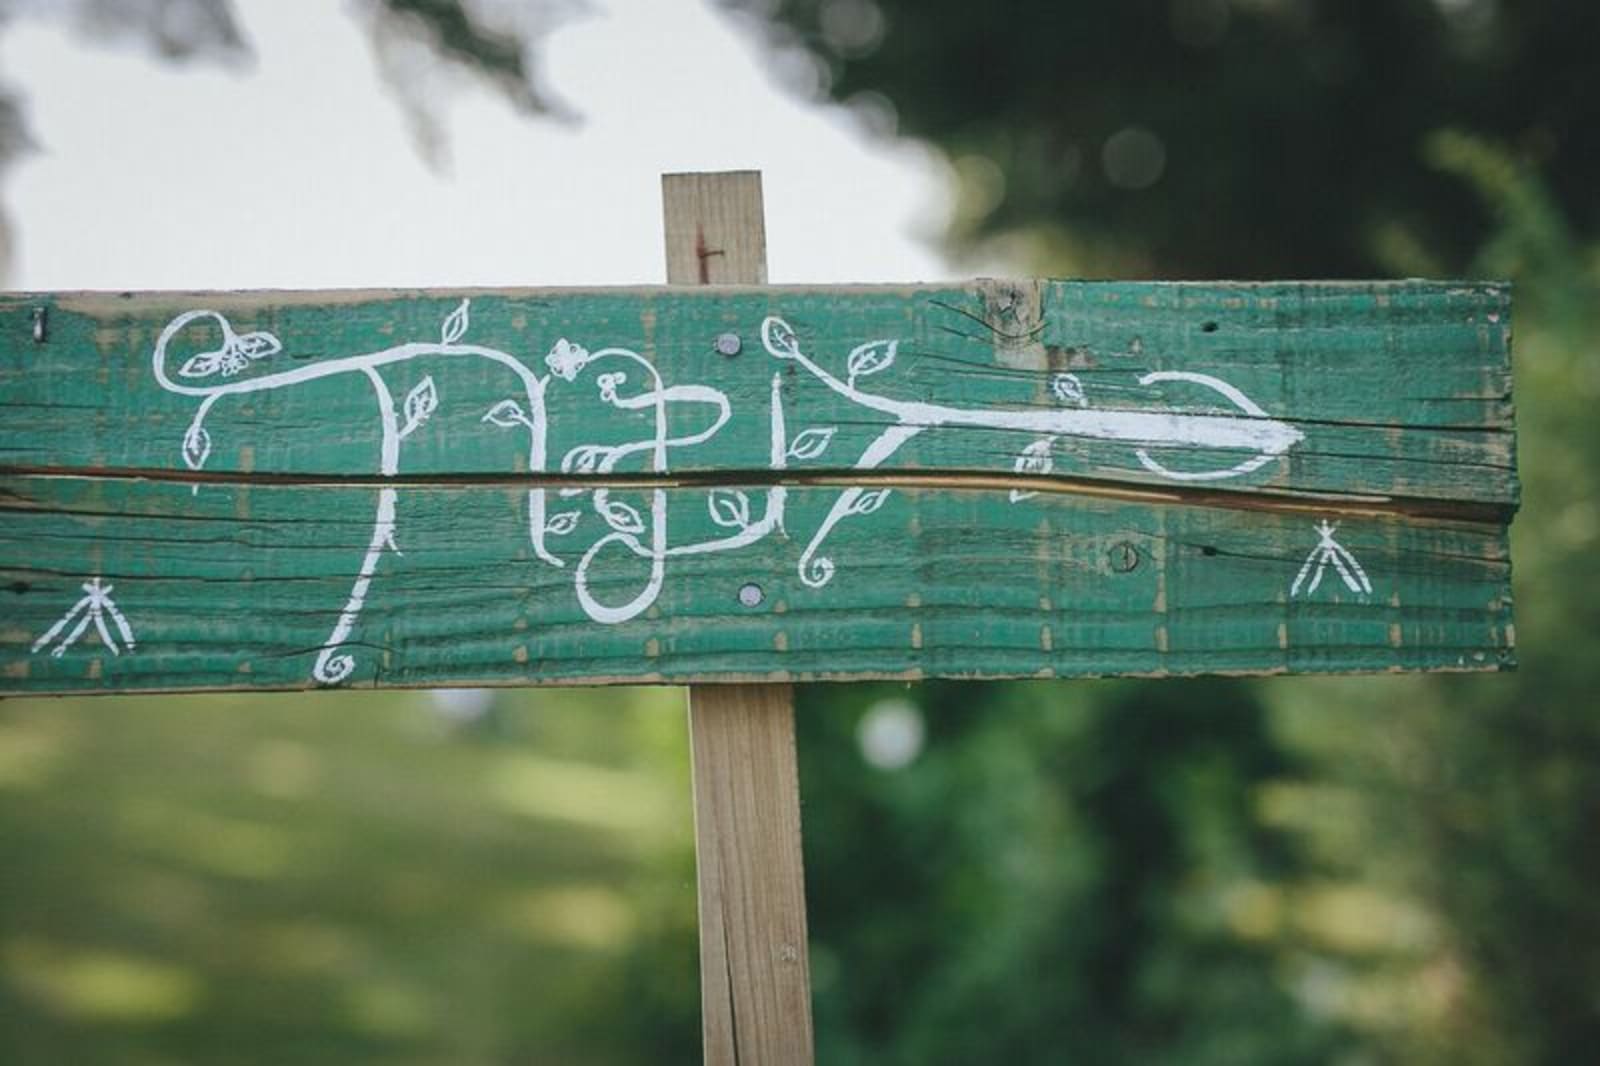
[(709, 236), (755, 983), (755, 979)]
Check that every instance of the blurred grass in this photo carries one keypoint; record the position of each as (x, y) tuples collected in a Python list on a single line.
[(339, 877)]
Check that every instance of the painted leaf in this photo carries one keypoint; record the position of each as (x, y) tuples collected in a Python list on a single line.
[(1034, 459), (621, 517), (506, 413), (196, 446), (868, 502), (1068, 389), (421, 402), (811, 443), (778, 338), (257, 345), (729, 508), (559, 525), (201, 366), (583, 459), (455, 326), (871, 357)]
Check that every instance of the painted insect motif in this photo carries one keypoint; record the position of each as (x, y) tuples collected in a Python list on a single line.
[(93, 609), (1330, 552)]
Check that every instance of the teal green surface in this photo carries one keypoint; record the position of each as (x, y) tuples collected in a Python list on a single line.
[(279, 527)]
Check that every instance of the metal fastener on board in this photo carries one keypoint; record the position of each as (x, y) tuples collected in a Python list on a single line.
[(1124, 556)]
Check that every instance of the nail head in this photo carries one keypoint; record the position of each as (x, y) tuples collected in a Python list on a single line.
[(750, 595), (729, 344)]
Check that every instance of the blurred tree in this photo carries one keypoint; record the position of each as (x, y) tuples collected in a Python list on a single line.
[(1479, 798), (1245, 138), (1206, 138), (1067, 873), (1436, 901)]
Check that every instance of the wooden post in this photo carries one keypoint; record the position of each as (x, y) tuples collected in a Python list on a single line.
[(755, 983)]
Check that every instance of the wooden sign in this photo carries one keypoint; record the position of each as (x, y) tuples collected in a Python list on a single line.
[(998, 479)]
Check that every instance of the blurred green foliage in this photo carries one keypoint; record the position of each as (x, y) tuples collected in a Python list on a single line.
[(1353, 871), (1211, 138), (346, 878), (1069, 873), (1365, 870)]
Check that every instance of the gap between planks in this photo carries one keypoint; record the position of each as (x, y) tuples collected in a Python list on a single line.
[(1259, 499)]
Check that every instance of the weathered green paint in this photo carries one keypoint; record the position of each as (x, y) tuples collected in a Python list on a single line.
[(1404, 389), (238, 585), (236, 574)]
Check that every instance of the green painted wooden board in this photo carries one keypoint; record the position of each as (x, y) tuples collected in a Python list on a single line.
[(518, 487)]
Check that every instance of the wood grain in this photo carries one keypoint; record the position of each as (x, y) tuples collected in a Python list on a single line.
[(235, 574), (237, 586), (754, 970), (1402, 390), (755, 975), (709, 238)]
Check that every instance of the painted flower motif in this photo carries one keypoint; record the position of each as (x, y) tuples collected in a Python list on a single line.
[(609, 383), (1068, 390), (566, 359), (235, 355)]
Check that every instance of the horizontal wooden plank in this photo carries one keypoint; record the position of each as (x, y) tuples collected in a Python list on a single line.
[(1001, 478), (150, 584), (1390, 391)]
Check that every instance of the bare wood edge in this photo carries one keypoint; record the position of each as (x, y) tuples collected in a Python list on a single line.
[(90, 300), (1503, 660), (749, 865)]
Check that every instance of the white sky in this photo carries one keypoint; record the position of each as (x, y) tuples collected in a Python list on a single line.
[(299, 172)]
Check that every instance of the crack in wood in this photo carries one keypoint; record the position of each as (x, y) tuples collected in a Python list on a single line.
[(1261, 498)]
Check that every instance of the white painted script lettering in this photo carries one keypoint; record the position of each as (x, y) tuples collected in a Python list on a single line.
[(675, 416)]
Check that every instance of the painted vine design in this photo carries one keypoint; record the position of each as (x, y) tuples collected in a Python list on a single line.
[(627, 381)]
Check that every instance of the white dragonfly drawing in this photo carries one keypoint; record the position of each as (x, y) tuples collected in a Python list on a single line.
[(1330, 552), (93, 609)]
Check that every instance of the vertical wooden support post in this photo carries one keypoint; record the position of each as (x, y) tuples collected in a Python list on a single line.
[(755, 983)]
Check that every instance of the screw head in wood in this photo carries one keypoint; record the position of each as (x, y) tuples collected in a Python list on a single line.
[(750, 595), (1124, 556), (729, 344)]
